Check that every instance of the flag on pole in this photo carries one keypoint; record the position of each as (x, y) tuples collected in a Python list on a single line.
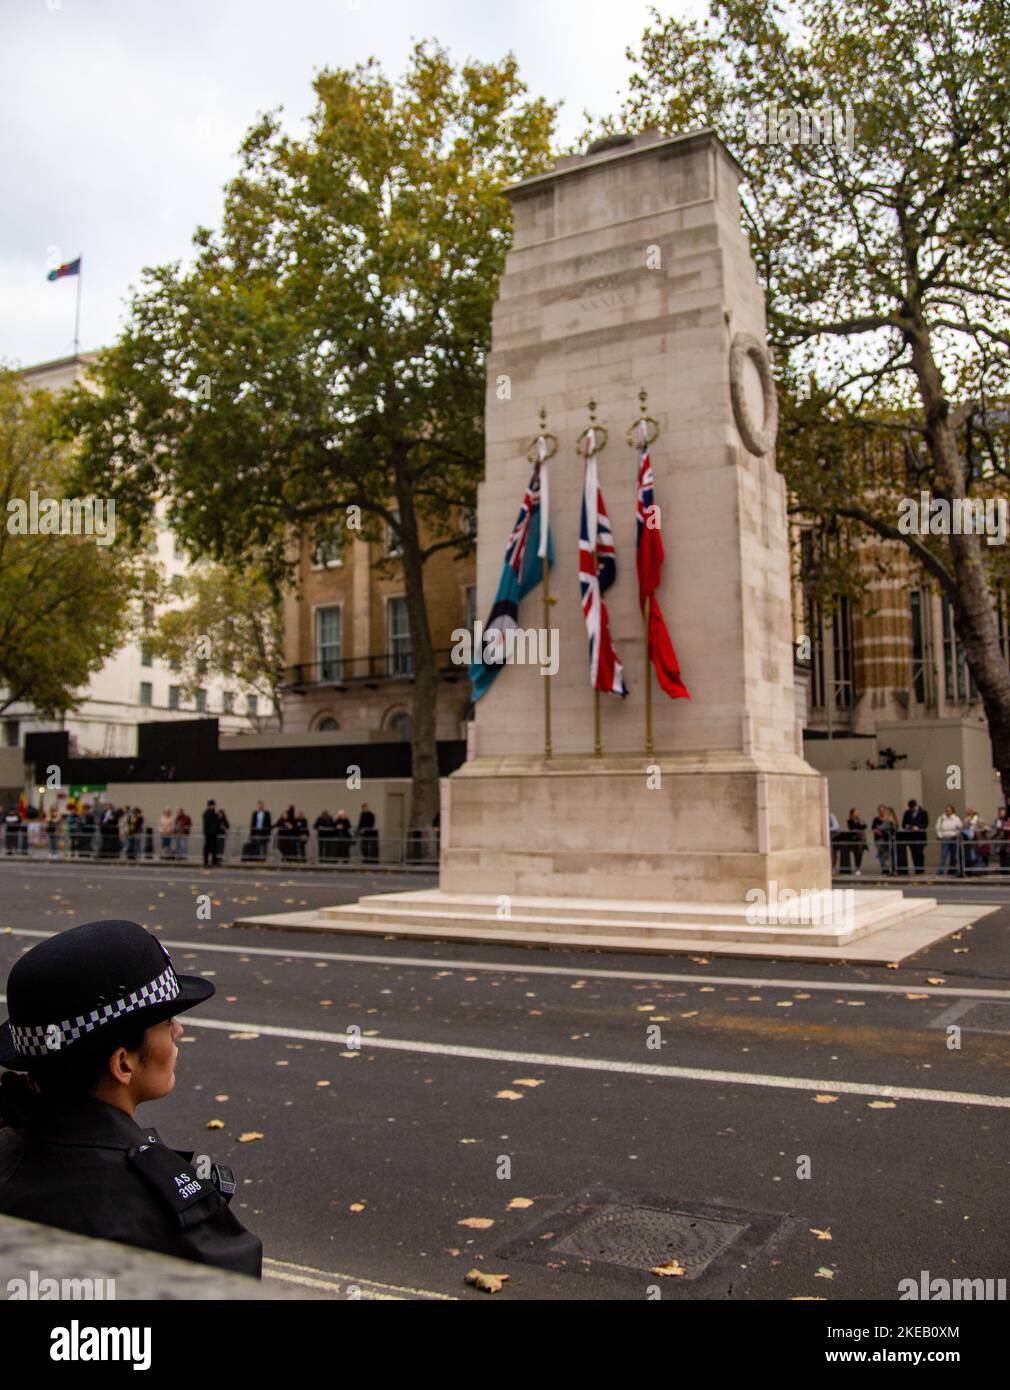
[(528, 546), (67, 268), (649, 560), (597, 571)]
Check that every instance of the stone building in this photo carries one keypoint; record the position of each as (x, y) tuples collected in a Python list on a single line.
[(349, 663)]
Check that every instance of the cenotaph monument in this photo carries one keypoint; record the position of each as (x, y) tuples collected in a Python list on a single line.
[(629, 272)]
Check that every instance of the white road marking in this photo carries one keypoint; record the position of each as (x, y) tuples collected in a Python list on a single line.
[(604, 1064), (512, 968), (368, 1289)]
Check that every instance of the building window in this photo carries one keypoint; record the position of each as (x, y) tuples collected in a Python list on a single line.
[(146, 655), (201, 702), (393, 546), (173, 697), (401, 658), (327, 726), (841, 636), (174, 664), (400, 725), (147, 613), (958, 681), (328, 633), (328, 552), (146, 693), (201, 665), (918, 647), (12, 732), (251, 706), (228, 702)]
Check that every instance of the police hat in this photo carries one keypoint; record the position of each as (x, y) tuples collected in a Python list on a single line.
[(65, 990)]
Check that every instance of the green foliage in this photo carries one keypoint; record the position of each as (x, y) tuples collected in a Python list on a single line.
[(65, 600), (228, 625), (326, 347)]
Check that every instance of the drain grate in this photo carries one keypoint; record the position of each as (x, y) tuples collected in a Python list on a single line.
[(641, 1237)]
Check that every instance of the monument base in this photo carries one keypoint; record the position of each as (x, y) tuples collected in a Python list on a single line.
[(718, 828)]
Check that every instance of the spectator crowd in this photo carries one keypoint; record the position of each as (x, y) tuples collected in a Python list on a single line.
[(967, 844)]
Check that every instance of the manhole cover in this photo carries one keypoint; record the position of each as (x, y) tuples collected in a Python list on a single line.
[(641, 1237), (987, 1017)]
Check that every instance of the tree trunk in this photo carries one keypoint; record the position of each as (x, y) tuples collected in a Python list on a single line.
[(974, 616), (424, 791)]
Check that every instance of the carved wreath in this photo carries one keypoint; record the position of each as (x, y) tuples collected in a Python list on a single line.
[(757, 441)]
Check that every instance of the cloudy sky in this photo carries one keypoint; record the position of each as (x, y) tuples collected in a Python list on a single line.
[(119, 118)]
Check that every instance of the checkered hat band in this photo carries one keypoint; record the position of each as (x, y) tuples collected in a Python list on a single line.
[(45, 1039)]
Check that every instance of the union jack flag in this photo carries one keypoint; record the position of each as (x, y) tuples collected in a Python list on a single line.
[(649, 559), (597, 571)]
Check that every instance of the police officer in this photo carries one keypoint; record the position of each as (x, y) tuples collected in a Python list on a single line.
[(92, 1027)]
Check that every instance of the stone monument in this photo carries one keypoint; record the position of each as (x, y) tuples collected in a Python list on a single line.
[(628, 271)]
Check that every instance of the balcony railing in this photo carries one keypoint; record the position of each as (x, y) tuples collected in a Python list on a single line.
[(340, 672)]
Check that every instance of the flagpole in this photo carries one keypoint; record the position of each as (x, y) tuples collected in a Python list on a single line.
[(77, 315), (590, 451), (542, 448)]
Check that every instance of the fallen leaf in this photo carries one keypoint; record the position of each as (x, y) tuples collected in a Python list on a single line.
[(519, 1204), (508, 1095), (692, 1014), (249, 1136), (322, 1083), (825, 1100), (526, 1081), (935, 980), (700, 960), (917, 996), (215, 1124), (671, 1266), (222, 1098), (356, 1206), (487, 1283), (476, 1223), (882, 1104), (242, 1037), (784, 1004), (821, 1235), (452, 1250), (824, 1273)]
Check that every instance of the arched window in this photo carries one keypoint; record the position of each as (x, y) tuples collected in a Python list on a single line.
[(327, 725), (400, 725)]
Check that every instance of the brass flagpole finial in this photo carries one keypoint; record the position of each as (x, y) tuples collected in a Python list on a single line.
[(543, 446), (645, 430), (594, 437)]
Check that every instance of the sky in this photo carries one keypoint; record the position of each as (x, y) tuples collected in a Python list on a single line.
[(119, 119)]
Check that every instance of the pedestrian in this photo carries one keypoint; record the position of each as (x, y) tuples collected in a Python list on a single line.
[(302, 831), (73, 829), (368, 836), (134, 834), (53, 830), (884, 829), (223, 826), (259, 831), (325, 829), (287, 834), (111, 846), (72, 1154), (853, 843), (211, 835), (166, 831), (89, 831), (183, 826), (344, 836), (1001, 837), (913, 836), (948, 832)]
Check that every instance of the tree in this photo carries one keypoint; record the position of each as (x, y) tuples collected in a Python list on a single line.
[(885, 265), (65, 598), (228, 624), (326, 349)]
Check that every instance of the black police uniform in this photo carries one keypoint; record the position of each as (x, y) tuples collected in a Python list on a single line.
[(82, 1164), (94, 1170)]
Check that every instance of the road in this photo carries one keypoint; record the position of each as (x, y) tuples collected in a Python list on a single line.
[(814, 1113)]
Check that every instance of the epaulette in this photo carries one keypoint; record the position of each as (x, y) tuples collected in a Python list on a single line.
[(175, 1182)]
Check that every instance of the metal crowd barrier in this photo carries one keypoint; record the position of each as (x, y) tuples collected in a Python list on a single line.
[(319, 850), (902, 856)]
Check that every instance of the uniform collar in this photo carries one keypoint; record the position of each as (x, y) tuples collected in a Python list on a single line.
[(91, 1123)]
